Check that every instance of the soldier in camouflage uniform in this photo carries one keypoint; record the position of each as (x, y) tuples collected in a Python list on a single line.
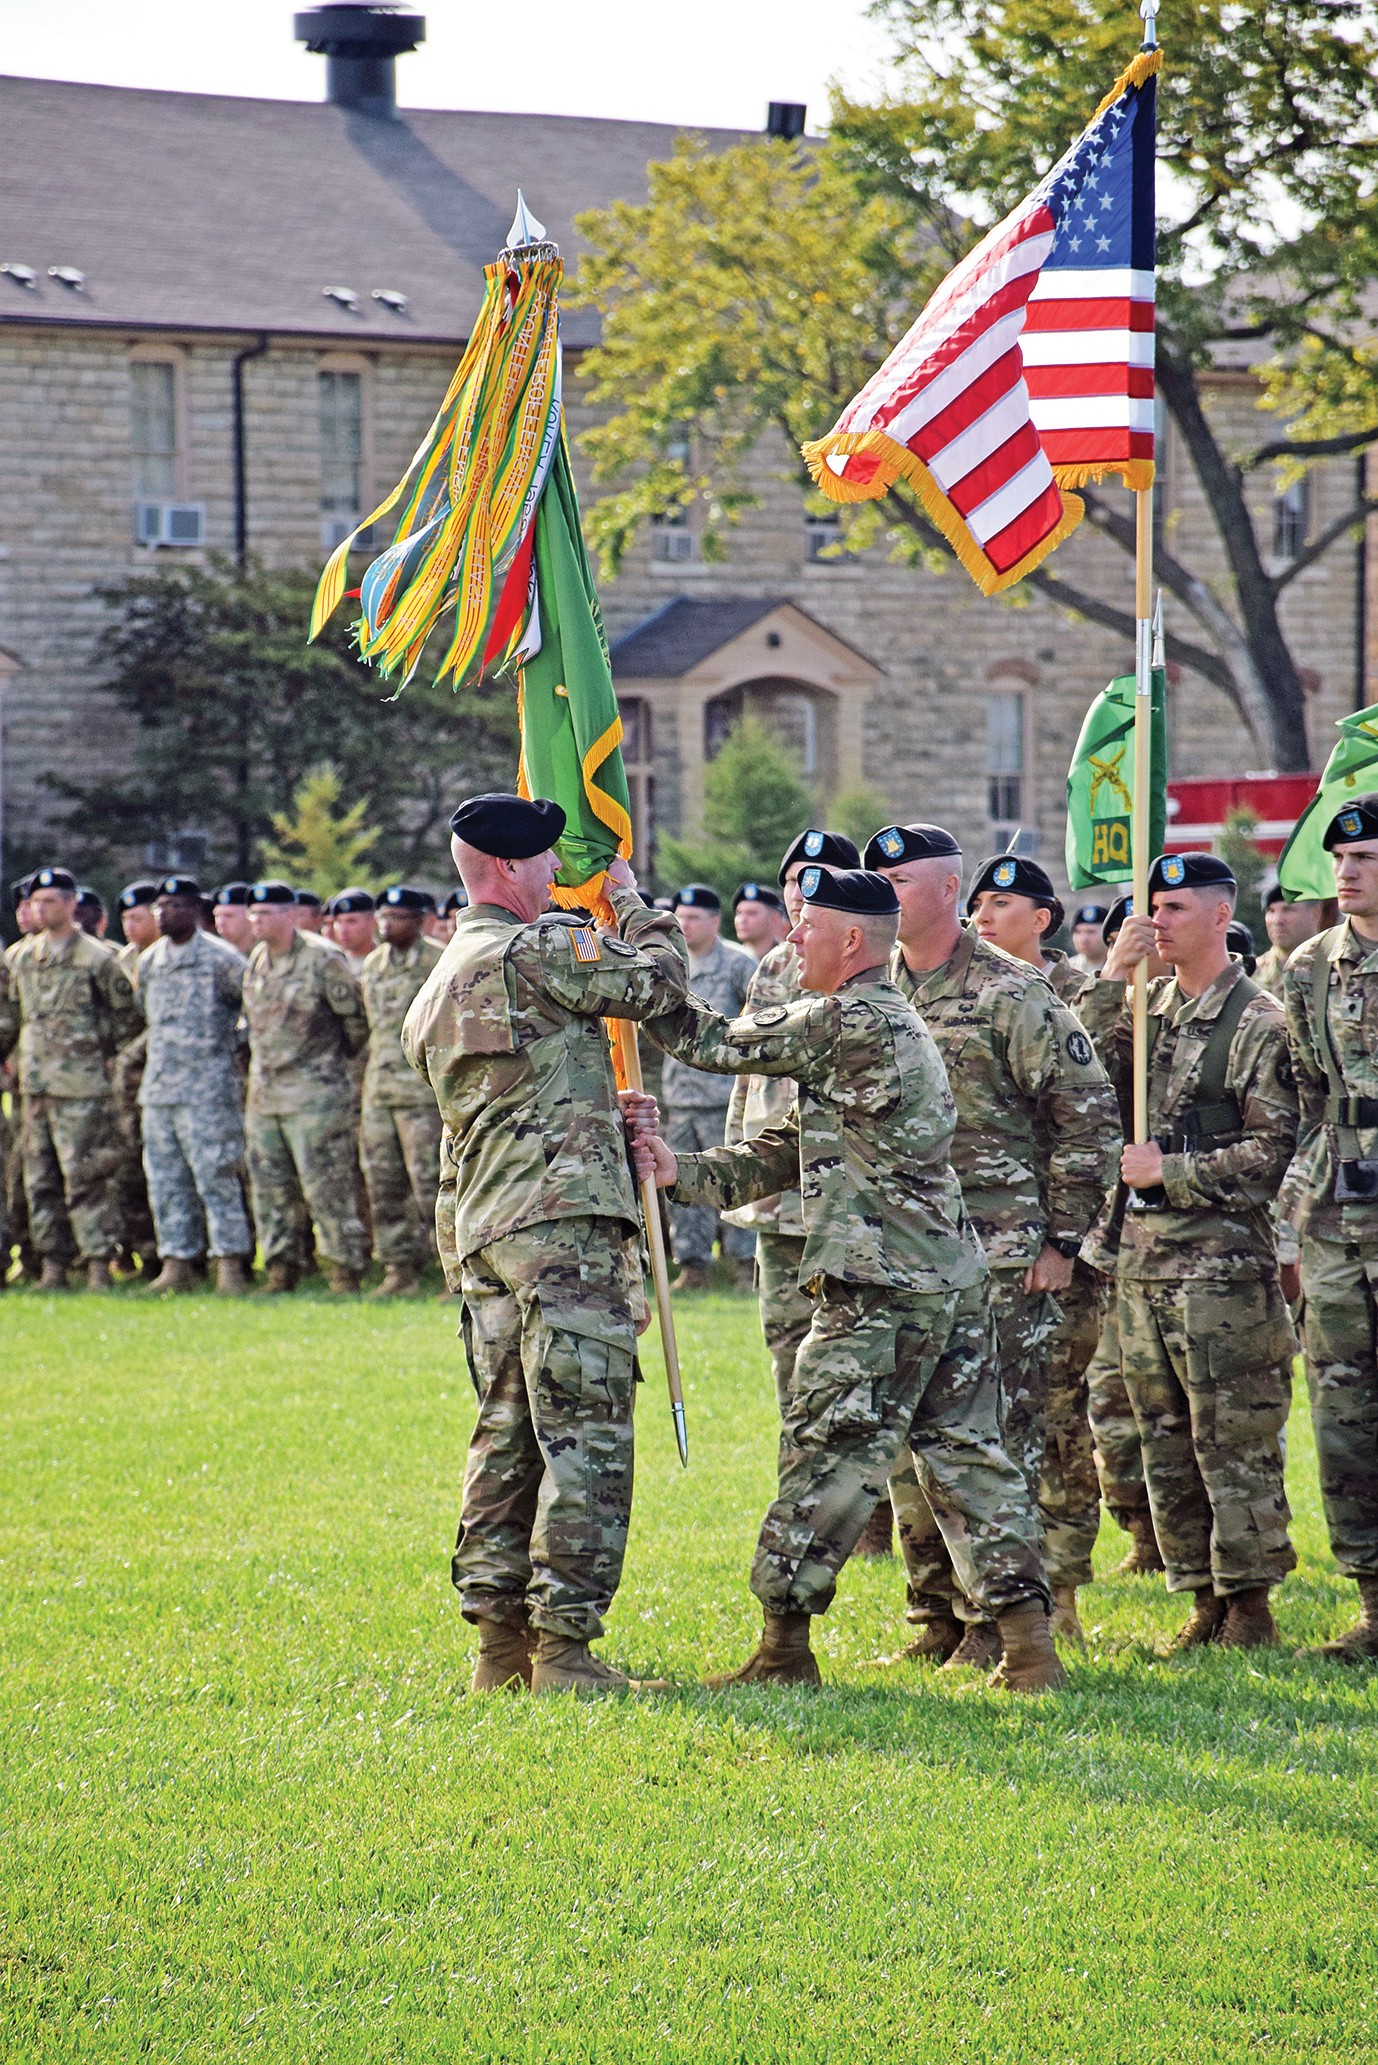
[(75, 1009), (1016, 915), (16, 1207), (140, 927), (1289, 925), (1206, 1340), (508, 1032), (1034, 1151), (399, 1131), (1331, 1197), (306, 1019), (191, 985), (695, 1104), (898, 1355)]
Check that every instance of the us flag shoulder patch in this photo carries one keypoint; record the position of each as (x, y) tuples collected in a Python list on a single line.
[(586, 947)]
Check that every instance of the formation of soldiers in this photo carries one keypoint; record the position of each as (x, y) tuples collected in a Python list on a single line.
[(986, 1308)]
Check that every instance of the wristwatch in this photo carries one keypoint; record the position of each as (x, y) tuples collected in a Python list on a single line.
[(1068, 1249)]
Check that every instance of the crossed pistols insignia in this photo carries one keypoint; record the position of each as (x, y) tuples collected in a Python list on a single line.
[(586, 947), (1105, 772)]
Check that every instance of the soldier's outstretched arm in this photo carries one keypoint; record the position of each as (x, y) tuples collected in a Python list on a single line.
[(794, 1039), (726, 1177), (635, 972)]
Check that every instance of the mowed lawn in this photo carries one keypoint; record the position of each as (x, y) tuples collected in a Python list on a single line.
[(250, 1812)]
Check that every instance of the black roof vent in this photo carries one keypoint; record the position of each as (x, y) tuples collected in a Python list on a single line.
[(361, 44), (785, 119)]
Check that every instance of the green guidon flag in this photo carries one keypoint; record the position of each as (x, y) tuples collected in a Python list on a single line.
[(1305, 869), (1100, 787)]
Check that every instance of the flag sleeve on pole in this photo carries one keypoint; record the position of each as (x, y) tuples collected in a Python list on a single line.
[(1305, 869), (1100, 787)]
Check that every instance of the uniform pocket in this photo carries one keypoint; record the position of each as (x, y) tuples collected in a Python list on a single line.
[(1251, 1373)]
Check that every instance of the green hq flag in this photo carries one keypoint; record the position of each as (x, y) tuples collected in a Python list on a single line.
[(1305, 869), (1100, 787)]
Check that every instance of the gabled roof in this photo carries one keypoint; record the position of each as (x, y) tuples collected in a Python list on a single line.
[(685, 631), (199, 211)]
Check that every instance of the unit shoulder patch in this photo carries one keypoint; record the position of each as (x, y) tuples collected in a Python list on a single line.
[(773, 1014), (1079, 1049)]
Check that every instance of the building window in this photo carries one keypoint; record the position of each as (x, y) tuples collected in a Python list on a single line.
[(803, 722), (153, 429), (1005, 759), (672, 538), (340, 403), (1291, 518), (636, 759), (822, 529)]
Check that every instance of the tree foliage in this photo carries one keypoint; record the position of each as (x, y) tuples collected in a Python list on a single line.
[(232, 711), (318, 845), (754, 803)]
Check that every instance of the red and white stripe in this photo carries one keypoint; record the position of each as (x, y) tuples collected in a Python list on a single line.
[(1087, 349)]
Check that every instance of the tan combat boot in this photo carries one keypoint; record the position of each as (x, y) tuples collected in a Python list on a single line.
[(564, 1664), (1358, 1644), (1067, 1625), (978, 1649), (98, 1274), (1248, 1622), (783, 1657), (693, 1276), (54, 1275), (1145, 1558), (1029, 1663), (504, 1658), (175, 1275), (398, 1283), (232, 1279), (1202, 1624), (877, 1537), (933, 1643), (282, 1276), (341, 1279)]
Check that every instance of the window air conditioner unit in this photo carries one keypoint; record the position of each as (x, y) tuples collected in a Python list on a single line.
[(674, 544), (170, 523)]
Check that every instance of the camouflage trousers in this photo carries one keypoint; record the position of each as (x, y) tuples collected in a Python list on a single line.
[(551, 1343), (1114, 1429), (399, 1146), (305, 1164), (1069, 1489), (1209, 1372), (786, 1311), (1024, 1329), (74, 1154), (194, 1160), (17, 1203), (6, 1153), (694, 1228), (884, 1374), (137, 1234), (1340, 1338)]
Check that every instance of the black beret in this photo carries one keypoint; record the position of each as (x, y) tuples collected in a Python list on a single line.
[(272, 892), (400, 898), (1189, 871), (508, 827), (834, 849), (89, 899), (351, 900), (457, 900), (858, 890), (137, 893), (1358, 820), (756, 892), (233, 892), (21, 891), (1115, 917), (1019, 876), (180, 885), (308, 899), (1089, 914), (53, 878), (1239, 939), (698, 897), (898, 843)]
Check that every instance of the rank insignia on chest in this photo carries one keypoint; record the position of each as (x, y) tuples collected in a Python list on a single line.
[(586, 947)]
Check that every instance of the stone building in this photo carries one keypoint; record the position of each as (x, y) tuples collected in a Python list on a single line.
[(224, 324)]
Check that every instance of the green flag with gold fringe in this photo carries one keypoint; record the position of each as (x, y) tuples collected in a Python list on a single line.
[(1305, 869), (1100, 787)]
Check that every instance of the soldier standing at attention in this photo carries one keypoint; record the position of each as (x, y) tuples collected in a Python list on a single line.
[(1331, 1197), (306, 1019), (508, 1031), (16, 1205), (399, 1132), (310, 911), (758, 919), (137, 922), (440, 925), (75, 1011), (1088, 944), (695, 1104), (1206, 1341), (139, 1236), (898, 1356), (232, 917), (1289, 925), (191, 986), (354, 927), (1034, 1151), (91, 914)]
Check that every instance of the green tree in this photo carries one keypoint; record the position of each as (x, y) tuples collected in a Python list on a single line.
[(754, 803), (859, 813), (758, 287), (230, 710), (319, 846)]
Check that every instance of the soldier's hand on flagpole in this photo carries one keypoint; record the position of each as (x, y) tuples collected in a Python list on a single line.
[(1137, 942), (1142, 1167), (640, 1113), (620, 871)]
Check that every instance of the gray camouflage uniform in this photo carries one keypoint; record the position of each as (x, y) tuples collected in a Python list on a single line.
[(695, 1106), (399, 1127), (193, 1125)]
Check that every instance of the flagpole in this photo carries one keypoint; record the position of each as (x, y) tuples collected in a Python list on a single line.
[(629, 1054), (1143, 730)]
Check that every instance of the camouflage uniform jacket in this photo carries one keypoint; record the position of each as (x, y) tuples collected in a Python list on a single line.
[(1067, 982), (1308, 1197), (1269, 972), (306, 1019), (9, 1009), (391, 978), (192, 996), (1217, 1224), (720, 981), (507, 1029), (869, 1137), (77, 1008), (758, 1102), (1038, 1130)]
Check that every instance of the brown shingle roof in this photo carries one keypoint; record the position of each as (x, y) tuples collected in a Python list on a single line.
[(198, 211)]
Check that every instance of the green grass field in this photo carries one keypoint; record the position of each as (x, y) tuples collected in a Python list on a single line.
[(249, 1812)]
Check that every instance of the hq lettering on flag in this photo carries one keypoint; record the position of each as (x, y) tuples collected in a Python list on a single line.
[(1030, 371), (1100, 787)]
